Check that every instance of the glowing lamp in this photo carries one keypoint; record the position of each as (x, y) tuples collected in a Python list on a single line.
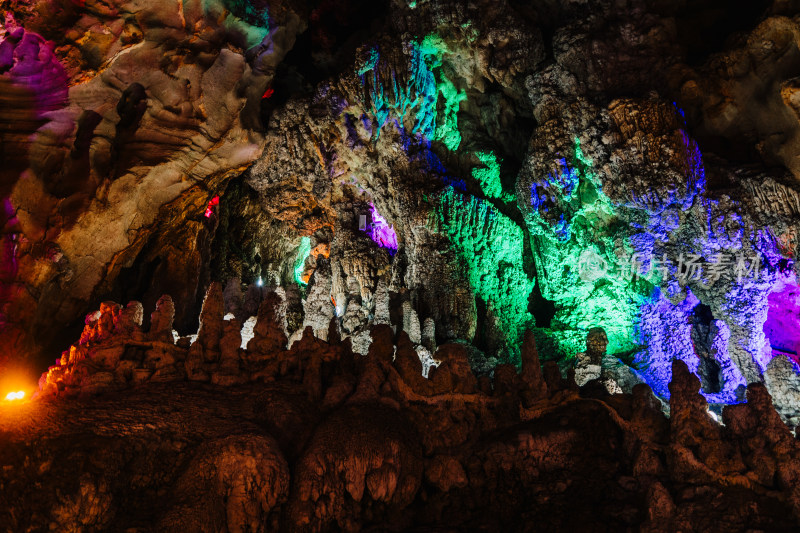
[(214, 202), (18, 395)]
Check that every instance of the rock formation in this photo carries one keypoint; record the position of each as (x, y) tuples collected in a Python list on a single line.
[(400, 264), (315, 438), (389, 177)]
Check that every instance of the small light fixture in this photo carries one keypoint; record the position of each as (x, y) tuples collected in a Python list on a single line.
[(260, 282), (18, 395)]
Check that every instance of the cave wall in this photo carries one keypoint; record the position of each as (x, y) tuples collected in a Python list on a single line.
[(591, 157)]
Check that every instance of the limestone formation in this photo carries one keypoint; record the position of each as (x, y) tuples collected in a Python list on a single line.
[(327, 440), (270, 330), (420, 265), (161, 320), (120, 101)]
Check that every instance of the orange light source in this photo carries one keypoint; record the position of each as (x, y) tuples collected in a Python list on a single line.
[(15, 395)]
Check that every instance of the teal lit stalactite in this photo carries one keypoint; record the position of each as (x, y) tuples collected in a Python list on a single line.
[(419, 92), (300, 263), (488, 242), (253, 12), (247, 18), (431, 52), (488, 176), (491, 245)]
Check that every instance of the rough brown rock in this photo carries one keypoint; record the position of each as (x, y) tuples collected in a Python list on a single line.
[(391, 448), (161, 320), (270, 330)]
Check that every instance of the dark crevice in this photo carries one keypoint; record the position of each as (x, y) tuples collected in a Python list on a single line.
[(542, 309), (480, 341), (706, 27), (324, 50), (703, 334)]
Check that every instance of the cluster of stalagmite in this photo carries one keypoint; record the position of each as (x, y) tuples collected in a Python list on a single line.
[(114, 352), (332, 439)]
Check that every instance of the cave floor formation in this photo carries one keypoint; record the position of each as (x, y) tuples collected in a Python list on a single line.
[(325, 265), (322, 439)]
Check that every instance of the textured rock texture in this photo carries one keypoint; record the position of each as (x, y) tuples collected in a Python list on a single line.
[(129, 117), (317, 438), (460, 172), (390, 212)]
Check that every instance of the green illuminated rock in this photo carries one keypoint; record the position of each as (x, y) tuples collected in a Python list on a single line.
[(491, 245)]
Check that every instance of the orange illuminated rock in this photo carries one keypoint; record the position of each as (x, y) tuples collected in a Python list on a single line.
[(336, 440)]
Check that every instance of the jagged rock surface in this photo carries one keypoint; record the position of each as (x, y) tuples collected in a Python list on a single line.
[(327, 439), (408, 204)]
